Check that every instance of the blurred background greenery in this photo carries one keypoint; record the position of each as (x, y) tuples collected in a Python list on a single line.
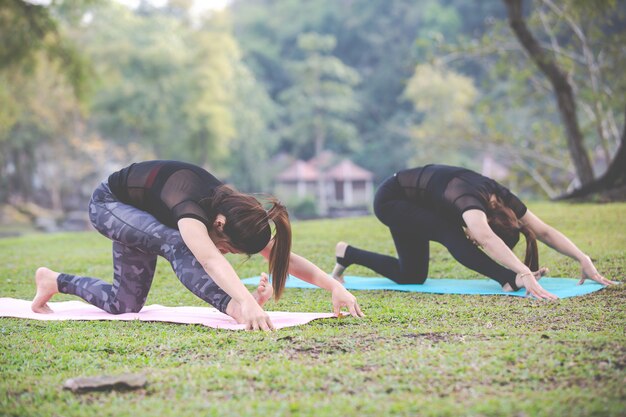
[(246, 88)]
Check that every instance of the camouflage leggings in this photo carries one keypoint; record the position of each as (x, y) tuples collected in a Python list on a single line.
[(138, 238)]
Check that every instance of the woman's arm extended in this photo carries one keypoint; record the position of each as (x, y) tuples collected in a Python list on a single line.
[(559, 242), (196, 237), (479, 230), (309, 272)]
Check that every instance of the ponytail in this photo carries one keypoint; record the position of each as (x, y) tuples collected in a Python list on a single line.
[(281, 250), (248, 228), (532, 254)]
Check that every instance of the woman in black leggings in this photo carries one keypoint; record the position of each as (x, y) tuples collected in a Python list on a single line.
[(463, 211), (183, 213)]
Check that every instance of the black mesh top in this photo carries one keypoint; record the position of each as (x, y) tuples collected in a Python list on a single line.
[(455, 190), (169, 190)]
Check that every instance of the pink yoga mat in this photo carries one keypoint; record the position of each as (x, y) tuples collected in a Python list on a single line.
[(210, 317)]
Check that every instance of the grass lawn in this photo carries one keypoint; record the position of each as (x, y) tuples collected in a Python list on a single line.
[(414, 354)]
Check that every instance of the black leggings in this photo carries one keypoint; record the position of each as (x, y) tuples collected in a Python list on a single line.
[(412, 228)]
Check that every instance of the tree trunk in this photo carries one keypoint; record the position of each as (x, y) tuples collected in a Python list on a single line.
[(614, 177), (562, 90)]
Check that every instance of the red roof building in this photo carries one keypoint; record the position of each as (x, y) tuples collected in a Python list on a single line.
[(338, 188)]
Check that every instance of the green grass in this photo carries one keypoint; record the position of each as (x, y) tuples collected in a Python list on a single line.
[(414, 354)]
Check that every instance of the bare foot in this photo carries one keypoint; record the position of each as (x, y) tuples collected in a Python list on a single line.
[(261, 295), (264, 291), (338, 270), (543, 271), (337, 273), (46, 282), (340, 249)]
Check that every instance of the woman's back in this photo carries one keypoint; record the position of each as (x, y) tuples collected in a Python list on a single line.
[(454, 190)]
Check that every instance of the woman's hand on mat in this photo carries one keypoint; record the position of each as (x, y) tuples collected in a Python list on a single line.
[(589, 271), (342, 298), (527, 280), (254, 317)]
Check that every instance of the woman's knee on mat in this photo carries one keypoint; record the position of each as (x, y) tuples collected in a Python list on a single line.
[(411, 276), (117, 308)]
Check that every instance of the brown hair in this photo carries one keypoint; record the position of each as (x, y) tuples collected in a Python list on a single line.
[(248, 229), (504, 223)]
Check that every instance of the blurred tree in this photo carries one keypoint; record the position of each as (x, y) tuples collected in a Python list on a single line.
[(582, 26), (29, 31), (516, 113), (382, 40), (43, 87), (211, 92), (445, 101), (254, 143), (613, 181), (562, 89), (36, 108), (137, 60), (321, 102), (164, 83)]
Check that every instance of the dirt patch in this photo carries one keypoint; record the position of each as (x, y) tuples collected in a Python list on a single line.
[(450, 337), (298, 347), (432, 337)]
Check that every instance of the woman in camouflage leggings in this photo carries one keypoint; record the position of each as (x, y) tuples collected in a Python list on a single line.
[(138, 238), (184, 214)]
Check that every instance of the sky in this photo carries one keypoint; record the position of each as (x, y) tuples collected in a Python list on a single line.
[(199, 6)]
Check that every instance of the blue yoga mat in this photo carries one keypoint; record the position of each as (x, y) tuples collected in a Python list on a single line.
[(561, 287)]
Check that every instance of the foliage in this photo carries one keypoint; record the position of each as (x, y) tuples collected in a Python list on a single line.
[(445, 102), (43, 89), (413, 354), (254, 143), (30, 32), (163, 85), (321, 101), (505, 94), (381, 40), (229, 90), (36, 109), (517, 111), (303, 209)]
